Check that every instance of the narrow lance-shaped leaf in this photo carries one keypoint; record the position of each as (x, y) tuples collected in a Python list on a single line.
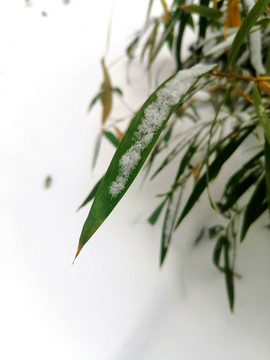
[(91, 195), (244, 29), (240, 182), (112, 138), (267, 172), (218, 250), (153, 218), (169, 222), (106, 97), (97, 149), (167, 32), (228, 274), (202, 10), (255, 207), (214, 169), (95, 99), (262, 114), (137, 143)]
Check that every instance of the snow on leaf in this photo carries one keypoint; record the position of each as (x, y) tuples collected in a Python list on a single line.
[(137, 143)]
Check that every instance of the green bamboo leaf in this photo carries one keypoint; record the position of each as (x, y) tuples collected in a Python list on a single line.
[(168, 29), (153, 218), (92, 194), (112, 138), (203, 23), (169, 222), (137, 143), (203, 11), (217, 252), (229, 276), (267, 172), (244, 29), (255, 207), (151, 41), (130, 51), (261, 112), (97, 148), (150, 5), (95, 99), (214, 231), (184, 19), (241, 181), (118, 91), (223, 155)]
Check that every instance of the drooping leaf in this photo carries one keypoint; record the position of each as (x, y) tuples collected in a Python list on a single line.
[(240, 182), (150, 5), (151, 41), (168, 29), (223, 155), (203, 22), (244, 29), (229, 276), (137, 143), (153, 218), (217, 252), (214, 231), (261, 112), (255, 207), (112, 138), (118, 91), (95, 99), (202, 10), (169, 222), (184, 18), (92, 194), (106, 97), (267, 171), (97, 148)]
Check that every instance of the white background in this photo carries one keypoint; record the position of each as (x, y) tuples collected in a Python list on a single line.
[(114, 302)]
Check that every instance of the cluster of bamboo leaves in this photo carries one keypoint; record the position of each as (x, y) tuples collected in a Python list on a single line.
[(233, 40)]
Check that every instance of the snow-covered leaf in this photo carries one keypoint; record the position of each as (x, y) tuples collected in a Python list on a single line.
[(137, 143)]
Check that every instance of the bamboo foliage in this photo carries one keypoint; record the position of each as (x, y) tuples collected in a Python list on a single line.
[(224, 63)]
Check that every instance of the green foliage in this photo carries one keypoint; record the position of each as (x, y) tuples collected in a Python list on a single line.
[(235, 36)]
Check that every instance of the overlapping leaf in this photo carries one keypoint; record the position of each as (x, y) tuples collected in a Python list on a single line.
[(137, 143)]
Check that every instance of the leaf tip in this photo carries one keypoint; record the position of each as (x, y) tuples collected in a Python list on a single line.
[(77, 253)]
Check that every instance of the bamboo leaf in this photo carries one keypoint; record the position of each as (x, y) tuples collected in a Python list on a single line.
[(255, 207), (244, 29), (223, 155), (106, 97), (169, 222), (91, 195), (184, 19), (240, 182), (112, 138), (217, 252), (261, 112), (203, 22), (214, 231), (228, 275), (137, 143), (167, 32), (267, 172), (118, 91), (203, 11), (153, 218), (95, 99), (97, 148)]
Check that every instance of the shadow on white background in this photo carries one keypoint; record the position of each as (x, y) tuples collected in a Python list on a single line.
[(114, 302)]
